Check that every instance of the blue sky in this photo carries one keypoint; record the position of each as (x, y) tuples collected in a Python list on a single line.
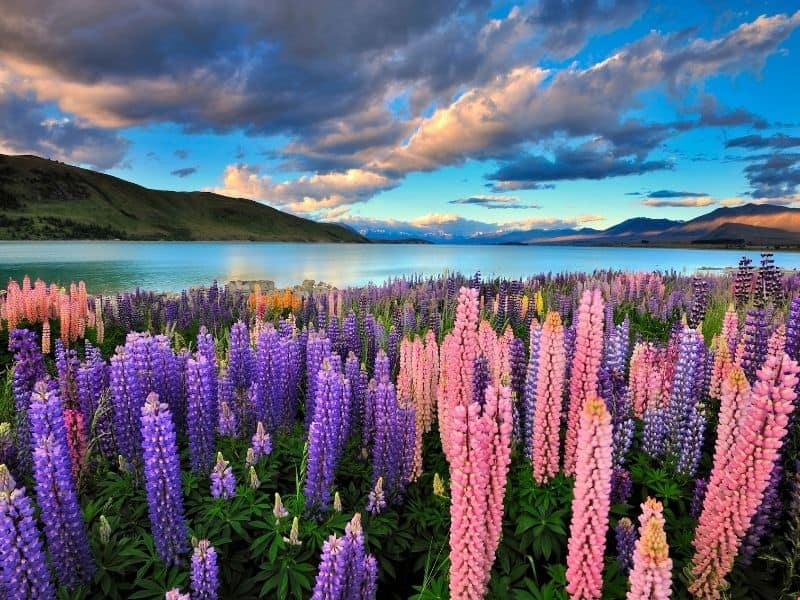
[(463, 116)]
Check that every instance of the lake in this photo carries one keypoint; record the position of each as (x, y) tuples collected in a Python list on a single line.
[(173, 266)]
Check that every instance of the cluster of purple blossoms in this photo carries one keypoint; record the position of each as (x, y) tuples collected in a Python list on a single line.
[(28, 369), (756, 337), (626, 536), (240, 357), (346, 571), (699, 302), (201, 412), (352, 339), (743, 281), (698, 496), (318, 347), (528, 404), (23, 568), (204, 574), (65, 531), (223, 483), (273, 394), (768, 284), (655, 432), (393, 436), (686, 420), (327, 433), (261, 442), (67, 365), (162, 475), (766, 519), (92, 380)]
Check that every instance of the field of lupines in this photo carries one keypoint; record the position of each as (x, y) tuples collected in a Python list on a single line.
[(565, 436)]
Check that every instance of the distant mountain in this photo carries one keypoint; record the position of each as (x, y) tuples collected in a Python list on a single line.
[(45, 199)]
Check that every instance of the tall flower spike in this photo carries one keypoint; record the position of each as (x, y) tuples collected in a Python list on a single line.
[(591, 502), (67, 540), (346, 571), (736, 486), (223, 483), (205, 572), (651, 576), (584, 370), (23, 568), (549, 394), (162, 474)]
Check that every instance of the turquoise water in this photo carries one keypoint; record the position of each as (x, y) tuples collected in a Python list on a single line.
[(173, 266)]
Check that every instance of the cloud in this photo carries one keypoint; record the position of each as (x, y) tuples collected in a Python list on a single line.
[(778, 141), (774, 176), (182, 153), (453, 227), (494, 202), (693, 202), (27, 128), (675, 194), (184, 172), (306, 194)]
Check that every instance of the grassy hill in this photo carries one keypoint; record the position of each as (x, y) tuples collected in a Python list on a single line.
[(45, 199)]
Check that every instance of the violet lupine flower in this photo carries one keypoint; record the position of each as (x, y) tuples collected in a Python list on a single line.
[(28, 369), (92, 381), (201, 412), (65, 531), (350, 333), (204, 574), (743, 281), (240, 357), (353, 374), (768, 284), (261, 442), (261, 388), (67, 365), (687, 423), (756, 337), (226, 424), (223, 483), (327, 433), (346, 571), (23, 567), (8, 451), (656, 431), (393, 348), (626, 536), (162, 474), (318, 348), (480, 379), (792, 347), (621, 485), (528, 404), (699, 302), (698, 496), (376, 500)]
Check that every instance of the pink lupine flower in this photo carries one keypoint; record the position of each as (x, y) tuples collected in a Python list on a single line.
[(721, 366), (549, 393), (736, 487), (585, 365), (646, 378), (591, 502), (730, 329), (651, 576)]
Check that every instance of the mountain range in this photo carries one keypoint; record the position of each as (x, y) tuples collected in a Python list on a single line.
[(45, 199)]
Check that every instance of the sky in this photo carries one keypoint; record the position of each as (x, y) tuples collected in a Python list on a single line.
[(459, 117)]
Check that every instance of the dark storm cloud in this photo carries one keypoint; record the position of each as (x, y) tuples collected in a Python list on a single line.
[(184, 172), (26, 128), (775, 176)]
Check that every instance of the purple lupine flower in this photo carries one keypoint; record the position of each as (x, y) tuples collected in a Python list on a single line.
[(8, 451), (223, 483), (528, 404), (393, 348), (28, 369), (346, 571), (350, 333), (686, 421), (260, 392), (318, 348), (376, 500), (261, 442), (201, 412), (226, 424), (162, 474), (327, 433), (621, 485), (65, 531), (353, 374), (756, 336), (480, 379), (23, 567), (768, 283), (743, 281), (67, 365), (240, 357), (792, 347), (699, 301), (625, 535), (766, 518), (655, 433), (698, 496), (204, 575)]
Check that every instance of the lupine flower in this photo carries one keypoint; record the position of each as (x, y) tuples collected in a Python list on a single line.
[(529, 397), (585, 367), (625, 536), (223, 483), (240, 357), (346, 571), (8, 452), (23, 568), (337, 502), (104, 530), (377, 499), (294, 534), (736, 486), (279, 510), (65, 531), (591, 501), (755, 339), (651, 576), (698, 495), (28, 369), (764, 520), (201, 413), (687, 423), (255, 482), (226, 426), (327, 434), (261, 443), (204, 574), (549, 394), (175, 594), (162, 474)]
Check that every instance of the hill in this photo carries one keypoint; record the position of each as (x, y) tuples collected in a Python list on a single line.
[(45, 199)]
